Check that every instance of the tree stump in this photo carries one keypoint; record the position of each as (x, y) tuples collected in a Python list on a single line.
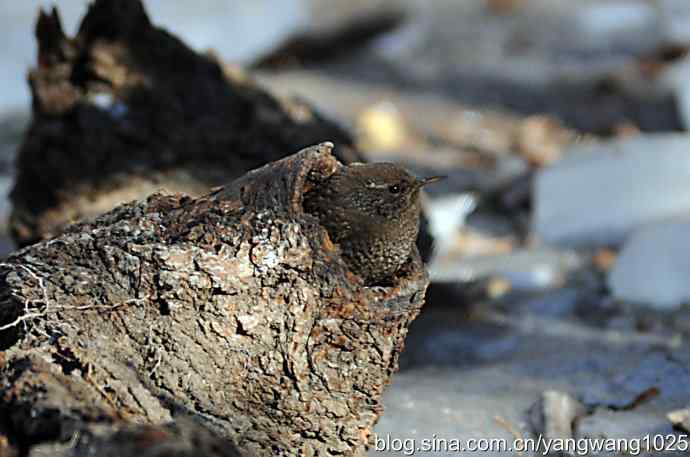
[(125, 108), (233, 308)]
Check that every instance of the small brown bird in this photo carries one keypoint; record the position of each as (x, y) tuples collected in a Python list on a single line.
[(372, 212)]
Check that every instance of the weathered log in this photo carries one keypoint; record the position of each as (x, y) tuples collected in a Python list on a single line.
[(125, 108), (233, 308)]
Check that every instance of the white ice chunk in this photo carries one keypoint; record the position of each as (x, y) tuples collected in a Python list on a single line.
[(607, 20), (675, 77), (654, 266), (447, 215), (536, 269), (674, 16), (601, 192)]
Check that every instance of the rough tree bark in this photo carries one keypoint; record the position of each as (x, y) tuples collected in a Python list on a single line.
[(125, 108), (233, 308)]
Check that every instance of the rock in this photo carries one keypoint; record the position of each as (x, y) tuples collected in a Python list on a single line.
[(601, 192), (653, 267), (680, 419), (554, 414)]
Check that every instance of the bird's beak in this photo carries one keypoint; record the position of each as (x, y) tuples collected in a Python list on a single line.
[(426, 181)]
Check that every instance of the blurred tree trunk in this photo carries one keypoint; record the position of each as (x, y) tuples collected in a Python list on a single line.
[(233, 309)]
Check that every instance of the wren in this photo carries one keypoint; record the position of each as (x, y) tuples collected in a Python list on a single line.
[(371, 211)]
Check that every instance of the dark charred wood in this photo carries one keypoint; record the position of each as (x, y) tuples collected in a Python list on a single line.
[(124, 109)]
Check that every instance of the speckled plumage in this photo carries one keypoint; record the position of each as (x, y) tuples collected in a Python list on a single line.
[(372, 212)]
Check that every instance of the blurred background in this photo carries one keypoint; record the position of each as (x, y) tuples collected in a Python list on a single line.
[(561, 267)]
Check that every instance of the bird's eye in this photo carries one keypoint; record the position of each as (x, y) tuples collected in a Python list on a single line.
[(394, 189)]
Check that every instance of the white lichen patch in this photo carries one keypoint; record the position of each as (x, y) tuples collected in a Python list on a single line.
[(265, 256), (297, 253), (227, 272), (247, 323)]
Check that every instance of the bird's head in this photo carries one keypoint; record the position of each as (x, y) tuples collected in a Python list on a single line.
[(381, 190)]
